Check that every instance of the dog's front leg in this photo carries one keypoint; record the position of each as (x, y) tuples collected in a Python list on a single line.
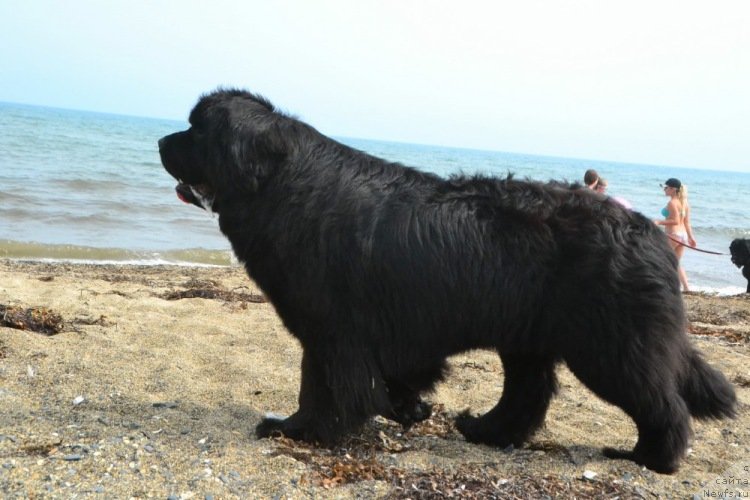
[(337, 395)]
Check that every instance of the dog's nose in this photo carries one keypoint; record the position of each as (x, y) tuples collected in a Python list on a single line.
[(161, 142)]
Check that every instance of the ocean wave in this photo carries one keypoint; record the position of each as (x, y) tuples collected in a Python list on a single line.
[(89, 185), (131, 262), (727, 232), (45, 252)]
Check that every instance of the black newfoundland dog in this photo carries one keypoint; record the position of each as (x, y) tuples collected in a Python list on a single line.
[(382, 272), (740, 251)]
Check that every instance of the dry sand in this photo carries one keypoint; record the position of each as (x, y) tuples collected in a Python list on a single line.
[(140, 396)]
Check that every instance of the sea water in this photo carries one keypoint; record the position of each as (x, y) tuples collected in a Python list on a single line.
[(78, 185)]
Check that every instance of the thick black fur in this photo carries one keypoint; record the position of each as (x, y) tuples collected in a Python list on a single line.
[(382, 272), (740, 251)]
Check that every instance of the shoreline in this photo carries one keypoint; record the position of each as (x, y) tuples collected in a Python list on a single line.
[(231, 262), (159, 374), (41, 252), (116, 263)]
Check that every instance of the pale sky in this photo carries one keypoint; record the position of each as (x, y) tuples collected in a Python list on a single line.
[(643, 81)]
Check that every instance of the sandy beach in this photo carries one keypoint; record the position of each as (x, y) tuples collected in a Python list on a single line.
[(150, 380)]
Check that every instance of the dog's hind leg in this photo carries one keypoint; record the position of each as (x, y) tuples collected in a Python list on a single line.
[(644, 386), (663, 434), (528, 388)]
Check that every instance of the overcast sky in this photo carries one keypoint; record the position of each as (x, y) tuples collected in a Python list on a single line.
[(644, 81)]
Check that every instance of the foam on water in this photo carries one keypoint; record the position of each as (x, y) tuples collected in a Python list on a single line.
[(73, 253), (721, 291)]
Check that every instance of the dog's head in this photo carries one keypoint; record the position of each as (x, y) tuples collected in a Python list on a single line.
[(740, 250), (235, 141)]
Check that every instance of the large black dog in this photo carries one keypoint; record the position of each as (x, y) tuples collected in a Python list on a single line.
[(382, 272), (740, 251)]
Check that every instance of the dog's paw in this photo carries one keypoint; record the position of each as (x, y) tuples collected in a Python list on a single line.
[(657, 464), (271, 426), (479, 430), (408, 415), (296, 428), (471, 428), (465, 425), (421, 411), (617, 454)]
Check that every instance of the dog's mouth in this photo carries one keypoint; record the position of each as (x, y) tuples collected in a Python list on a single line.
[(199, 195)]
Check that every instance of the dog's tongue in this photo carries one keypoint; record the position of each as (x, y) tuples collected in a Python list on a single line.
[(187, 195), (184, 193)]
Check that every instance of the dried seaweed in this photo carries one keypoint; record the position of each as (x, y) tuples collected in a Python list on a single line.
[(36, 319), (333, 468), (40, 449), (474, 482), (719, 311), (357, 459), (724, 333), (741, 380), (473, 365), (214, 293), (102, 320), (439, 424)]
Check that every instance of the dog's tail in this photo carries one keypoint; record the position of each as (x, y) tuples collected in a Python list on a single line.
[(706, 391)]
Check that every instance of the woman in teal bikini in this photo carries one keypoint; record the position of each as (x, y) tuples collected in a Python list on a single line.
[(676, 222)]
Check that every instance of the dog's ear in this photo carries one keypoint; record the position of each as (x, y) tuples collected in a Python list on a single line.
[(251, 139), (256, 156)]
